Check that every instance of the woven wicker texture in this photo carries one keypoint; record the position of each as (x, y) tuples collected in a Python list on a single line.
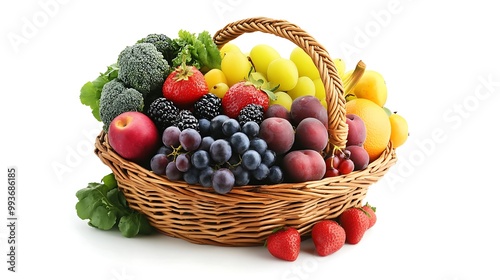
[(248, 214)]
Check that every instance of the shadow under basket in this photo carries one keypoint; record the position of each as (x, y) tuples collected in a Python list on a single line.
[(247, 215)]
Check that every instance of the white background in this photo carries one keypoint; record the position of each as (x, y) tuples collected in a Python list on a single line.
[(438, 218)]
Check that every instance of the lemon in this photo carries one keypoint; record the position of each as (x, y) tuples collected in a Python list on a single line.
[(399, 130)]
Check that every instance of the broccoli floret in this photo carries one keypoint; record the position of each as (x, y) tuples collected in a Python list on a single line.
[(116, 98), (142, 67), (163, 44)]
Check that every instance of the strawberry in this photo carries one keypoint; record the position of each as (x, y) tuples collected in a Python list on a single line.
[(184, 86), (328, 237), (242, 94), (370, 210), (355, 222), (284, 243)]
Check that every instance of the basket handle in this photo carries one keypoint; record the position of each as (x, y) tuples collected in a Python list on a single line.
[(337, 127)]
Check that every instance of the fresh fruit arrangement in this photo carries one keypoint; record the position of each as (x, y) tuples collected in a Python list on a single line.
[(211, 126), (252, 119)]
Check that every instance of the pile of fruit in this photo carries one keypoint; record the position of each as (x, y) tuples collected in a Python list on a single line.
[(222, 118), (247, 119)]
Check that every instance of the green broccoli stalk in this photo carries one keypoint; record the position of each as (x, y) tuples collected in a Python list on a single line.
[(116, 98), (142, 67)]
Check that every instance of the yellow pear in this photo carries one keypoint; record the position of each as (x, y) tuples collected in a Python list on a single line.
[(371, 86)]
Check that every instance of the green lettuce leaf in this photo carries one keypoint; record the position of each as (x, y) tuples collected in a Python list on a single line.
[(90, 93)]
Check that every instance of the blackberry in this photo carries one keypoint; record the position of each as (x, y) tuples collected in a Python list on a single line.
[(163, 112), (208, 106), (251, 112), (186, 119)]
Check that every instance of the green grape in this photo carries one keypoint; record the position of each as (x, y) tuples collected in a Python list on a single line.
[(228, 47), (283, 99), (215, 76), (304, 63), (236, 67), (320, 89), (219, 89), (282, 72), (304, 86), (261, 56)]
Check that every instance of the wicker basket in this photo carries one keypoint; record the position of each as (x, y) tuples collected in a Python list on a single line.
[(248, 214)]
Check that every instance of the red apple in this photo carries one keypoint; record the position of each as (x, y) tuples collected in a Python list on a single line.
[(134, 136), (356, 134)]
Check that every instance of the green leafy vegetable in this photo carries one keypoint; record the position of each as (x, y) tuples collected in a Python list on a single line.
[(116, 98), (90, 93), (199, 51), (105, 206)]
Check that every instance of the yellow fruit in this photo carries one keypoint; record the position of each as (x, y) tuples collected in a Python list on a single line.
[(340, 65), (235, 66), (399, 130), (378, 126), (323, 103), (215, 76), (219, 89), (371, 86), (304, 63), (351, 77), (228, 47), (304, 86), (282, 72), (319, 88), (261, 56), (283, 99), (346, 76)]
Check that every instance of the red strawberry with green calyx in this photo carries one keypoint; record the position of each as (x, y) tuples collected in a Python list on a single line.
[(284, 243), (370, 210), (355, 222), (244, 93), (185, 86), (328, 237)]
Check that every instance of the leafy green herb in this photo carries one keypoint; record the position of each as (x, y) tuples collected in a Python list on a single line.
[(90, 93), (105, 206), (196, 50)]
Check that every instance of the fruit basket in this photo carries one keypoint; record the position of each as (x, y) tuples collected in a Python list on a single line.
[(248, 214)]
